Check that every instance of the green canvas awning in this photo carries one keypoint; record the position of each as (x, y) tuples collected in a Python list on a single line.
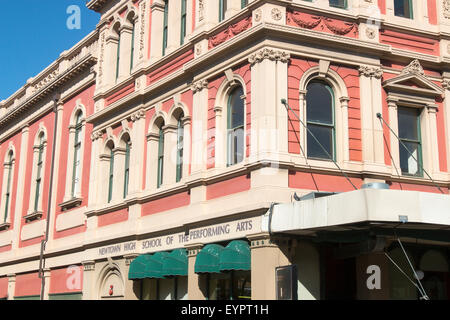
[(176, 263), (208, 259), (147, 266), (154, 268), (236, 256), (137, 267)]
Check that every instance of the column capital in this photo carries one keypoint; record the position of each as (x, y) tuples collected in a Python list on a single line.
[(140, 114), (432, 108), (129, 258), (271, 54), (446, 84), (218, 110), (170, 128), (194, 248), (261, 240), (199, 85), (370, 72), (88, 265)]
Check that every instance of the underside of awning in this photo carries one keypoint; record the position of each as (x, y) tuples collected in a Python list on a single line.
[(358, 215)]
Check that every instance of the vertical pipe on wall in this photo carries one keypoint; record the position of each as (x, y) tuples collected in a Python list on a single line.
[(49, 207)]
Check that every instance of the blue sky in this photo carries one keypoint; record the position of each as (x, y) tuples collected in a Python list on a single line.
[(33, 33)]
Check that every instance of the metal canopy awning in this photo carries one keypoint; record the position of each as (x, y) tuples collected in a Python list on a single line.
[(348, 217)]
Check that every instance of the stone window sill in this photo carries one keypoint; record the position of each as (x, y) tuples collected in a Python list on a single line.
[(33, 216), (5, 226), (72, 203)]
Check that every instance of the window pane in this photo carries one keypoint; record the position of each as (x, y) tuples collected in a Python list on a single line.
[(325, 136), (407, 162), (403, 8), (338, 3), (237, 108), (408, 127), (239, 145), (319, 103)]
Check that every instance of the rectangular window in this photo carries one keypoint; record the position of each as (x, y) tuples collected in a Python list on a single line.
[(111, 176), (183, 21), (165, 26), (410, 141), (338, 4), (244, 3), (403, 8), (76, 162), (8, 190), (180, 142), (222, 9), (132, 47), (160, 158), (118, 58), (38, 178), (127, 170)]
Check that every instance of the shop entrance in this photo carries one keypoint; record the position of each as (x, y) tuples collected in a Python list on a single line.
[(339, 276), (233, 285)]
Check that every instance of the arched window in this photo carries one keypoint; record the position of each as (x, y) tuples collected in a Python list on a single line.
[(76, 173), (320, 121), (111, 174), (8, 172), (180, 150), (235, 126), (160, 156), (126, 178), (39, 167)]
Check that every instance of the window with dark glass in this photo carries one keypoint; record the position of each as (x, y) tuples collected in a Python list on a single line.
[(183, 21), (9, 168), (40, 162), (126, 178), (118, 57), (132, 47), (165, 26), (244, 3), (410, 141), (222, 9), (338, 4), (403, 8), (236, 116), (180, 150), (111, 175), (160, 157), (320, 121), (76, 156)]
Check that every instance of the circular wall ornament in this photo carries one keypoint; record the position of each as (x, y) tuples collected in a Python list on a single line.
[(258, 15), (370, 33), (276, 14)]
